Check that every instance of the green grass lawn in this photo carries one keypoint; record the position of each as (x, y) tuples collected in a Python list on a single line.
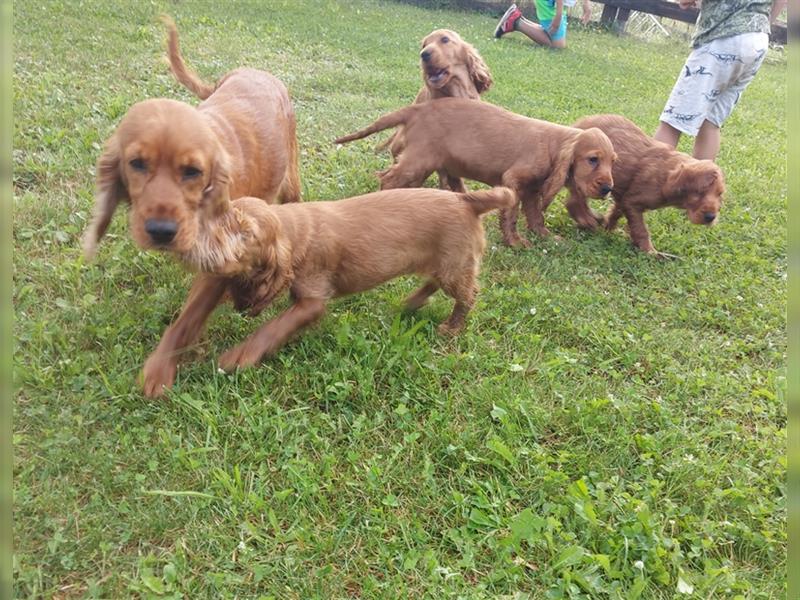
[(608, 426)]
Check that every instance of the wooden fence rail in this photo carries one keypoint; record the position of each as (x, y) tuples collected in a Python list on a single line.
[(615, 12)]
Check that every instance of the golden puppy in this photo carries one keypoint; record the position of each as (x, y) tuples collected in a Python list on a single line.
[(451, 68), (170, 160), (649, 175), (480, 141), (319, 251)]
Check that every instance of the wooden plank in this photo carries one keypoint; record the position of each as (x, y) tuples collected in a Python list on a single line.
[(609, 15), (671, 10), (660, 8), (612, 11)]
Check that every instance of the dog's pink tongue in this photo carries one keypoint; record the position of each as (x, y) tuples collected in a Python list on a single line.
[(437, 77)]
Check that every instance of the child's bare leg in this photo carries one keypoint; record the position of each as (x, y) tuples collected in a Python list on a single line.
[(534, 31), (706, 144), (667, 133)]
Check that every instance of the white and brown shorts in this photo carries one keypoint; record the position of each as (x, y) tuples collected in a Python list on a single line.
[(713, 79)]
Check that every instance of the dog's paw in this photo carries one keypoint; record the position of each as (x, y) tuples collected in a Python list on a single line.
[(590, 223), (518, 242), (608, 224), (664, 255), (448, 330), (541, 231), (157, 376), (239, 357)]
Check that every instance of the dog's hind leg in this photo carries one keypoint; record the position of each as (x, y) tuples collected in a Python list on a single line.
[(268, 338), (463, 288), (418, 298), (449, 182), (402, 177), (290, 186)]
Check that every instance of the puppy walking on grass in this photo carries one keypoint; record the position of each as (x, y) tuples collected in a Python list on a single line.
[(480, 141), (317, 251), (240, 140), (451, 68), (649, 175)]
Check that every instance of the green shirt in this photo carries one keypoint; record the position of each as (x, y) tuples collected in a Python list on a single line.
[(545, 10), (724, 18)]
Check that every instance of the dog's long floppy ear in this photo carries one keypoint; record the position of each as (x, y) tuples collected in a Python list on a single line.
[(216, 195), (703, 175), (560, 172), (109, 190), (673, 184), (275, 273), (690, 178), (477, 69)]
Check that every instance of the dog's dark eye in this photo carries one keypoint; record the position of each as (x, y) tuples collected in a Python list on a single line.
[(594, 161), (138, 164), (191, 172), (445, 39)]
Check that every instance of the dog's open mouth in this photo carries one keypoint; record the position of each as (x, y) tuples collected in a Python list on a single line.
[(437, 77)]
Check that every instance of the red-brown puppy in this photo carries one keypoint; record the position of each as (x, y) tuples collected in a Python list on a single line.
[(318, 251), (649, 175), (170, 160), (451, 68), (480, 141)]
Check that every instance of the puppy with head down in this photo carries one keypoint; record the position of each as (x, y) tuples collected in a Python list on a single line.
[(172, 161), (316, 251), (480, 141), (649, 174)]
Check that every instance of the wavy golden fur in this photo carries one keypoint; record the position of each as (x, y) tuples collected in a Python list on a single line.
[(649, 174), (176, 164), (451, 68), (322, 250), (480, 141)]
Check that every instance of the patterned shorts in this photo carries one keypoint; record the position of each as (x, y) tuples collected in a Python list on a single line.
[(713, 79)]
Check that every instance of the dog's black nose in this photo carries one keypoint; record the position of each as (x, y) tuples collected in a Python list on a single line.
[(605, 189), (425, 55), (708, 217), (162, 231)]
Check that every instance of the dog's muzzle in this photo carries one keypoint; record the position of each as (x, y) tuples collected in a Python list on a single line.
[(161, 231)]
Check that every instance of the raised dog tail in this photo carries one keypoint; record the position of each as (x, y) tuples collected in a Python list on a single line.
[(482, 201), (182, 73), (398, 117)]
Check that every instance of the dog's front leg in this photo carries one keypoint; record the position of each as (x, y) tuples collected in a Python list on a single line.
[(612, 217), (578, 208), (272, 335), (449, 182), (160, 368), (640, 236)]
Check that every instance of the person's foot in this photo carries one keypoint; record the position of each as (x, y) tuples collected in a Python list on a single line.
[(508, 21)]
